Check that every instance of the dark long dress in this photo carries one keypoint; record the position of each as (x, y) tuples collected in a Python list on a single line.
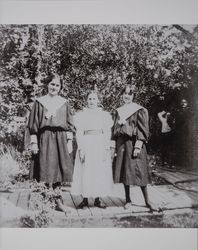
[(127, 169), (53, 163), (183, 138)]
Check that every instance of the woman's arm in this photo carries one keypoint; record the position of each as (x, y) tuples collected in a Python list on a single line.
[(33, 127), (142, 128), (70, 123)]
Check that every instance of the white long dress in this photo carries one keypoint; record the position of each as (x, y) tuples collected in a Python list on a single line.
[(94, 177)]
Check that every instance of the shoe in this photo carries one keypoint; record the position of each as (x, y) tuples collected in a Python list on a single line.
[(60, 206), (83, 204), (98, 203), (153, 207), (127, 205)]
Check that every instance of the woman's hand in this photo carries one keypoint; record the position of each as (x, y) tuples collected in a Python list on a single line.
[(82, 156), (70, 146), (34, 148), (113, 152), (136, 152)]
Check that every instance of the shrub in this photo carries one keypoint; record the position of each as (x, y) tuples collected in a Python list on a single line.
[(13, 166)]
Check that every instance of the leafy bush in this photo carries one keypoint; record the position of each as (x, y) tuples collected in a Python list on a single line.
[(43, 203), (161, 60), (9, 167), (14, 166)]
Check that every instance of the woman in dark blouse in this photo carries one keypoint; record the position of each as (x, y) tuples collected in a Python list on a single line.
[(131, 131), (51, 129)]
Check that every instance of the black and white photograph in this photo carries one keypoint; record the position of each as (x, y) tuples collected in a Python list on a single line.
[(99, 125)]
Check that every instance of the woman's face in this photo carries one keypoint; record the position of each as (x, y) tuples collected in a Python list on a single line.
[(127, 96), (92, 101), (54, 87), (184, 103)]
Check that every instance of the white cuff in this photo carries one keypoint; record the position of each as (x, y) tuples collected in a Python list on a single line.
[(121, 122), (138, 144), (69, 136), (112, 144), (33, 139)]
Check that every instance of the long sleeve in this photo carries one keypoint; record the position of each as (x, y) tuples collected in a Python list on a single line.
[(160, 116), (116, 127), (142, 125), (33, 123), (79, 131), (70, 123), (107, 130)]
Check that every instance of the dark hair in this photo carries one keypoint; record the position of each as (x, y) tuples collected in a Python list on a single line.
[(91, 92), (94, 90), (98, 95), (55, 76), (131, 87)]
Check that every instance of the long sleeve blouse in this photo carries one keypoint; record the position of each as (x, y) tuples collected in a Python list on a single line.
[(38, 119), (137, 125)]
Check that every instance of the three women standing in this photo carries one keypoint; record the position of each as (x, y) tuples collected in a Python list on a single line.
[(51, 127)]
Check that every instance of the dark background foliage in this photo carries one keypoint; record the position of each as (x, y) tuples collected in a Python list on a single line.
[(162, 61)]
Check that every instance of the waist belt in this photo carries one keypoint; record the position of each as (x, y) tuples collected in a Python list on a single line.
[(52, 129), (93, 132)]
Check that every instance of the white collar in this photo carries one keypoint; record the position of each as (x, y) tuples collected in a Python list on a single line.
[(52, 104), (127, 110), (86, 109)]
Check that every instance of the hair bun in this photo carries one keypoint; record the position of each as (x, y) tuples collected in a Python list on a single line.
[(131, 88), (94, 89)]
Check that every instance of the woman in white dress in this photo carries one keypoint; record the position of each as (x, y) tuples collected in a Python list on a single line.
[(93, 171)]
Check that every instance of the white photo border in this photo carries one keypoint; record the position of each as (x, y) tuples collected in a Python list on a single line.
[(99, 12)]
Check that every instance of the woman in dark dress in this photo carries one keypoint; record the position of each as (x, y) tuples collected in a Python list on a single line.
[(183, 136), (131, 131), (51, 129)]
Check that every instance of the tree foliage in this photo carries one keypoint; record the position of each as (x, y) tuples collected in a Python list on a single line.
[(162, 61)]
